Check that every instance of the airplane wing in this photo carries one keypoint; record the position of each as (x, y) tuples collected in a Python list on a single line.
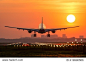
[(59, 28), (23, 28)]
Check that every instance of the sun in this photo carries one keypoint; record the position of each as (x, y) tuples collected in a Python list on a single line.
[(71, 18)]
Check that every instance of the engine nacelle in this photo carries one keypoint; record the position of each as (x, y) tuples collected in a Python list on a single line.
[(30, 31), (53, 31)]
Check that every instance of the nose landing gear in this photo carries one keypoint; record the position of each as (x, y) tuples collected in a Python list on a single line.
[(48, 35), (34, 35)]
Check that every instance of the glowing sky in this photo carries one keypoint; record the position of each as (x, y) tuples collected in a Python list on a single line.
[(28, 14)]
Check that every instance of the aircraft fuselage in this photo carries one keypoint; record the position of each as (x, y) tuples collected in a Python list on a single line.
[(41, 31)]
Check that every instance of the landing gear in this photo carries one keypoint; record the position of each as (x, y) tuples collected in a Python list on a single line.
[(48, 35), (34, 35)]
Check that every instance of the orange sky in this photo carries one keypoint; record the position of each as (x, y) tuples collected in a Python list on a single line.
[(28, 14)]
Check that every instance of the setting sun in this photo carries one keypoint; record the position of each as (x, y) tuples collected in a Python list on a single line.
[(71, 18)]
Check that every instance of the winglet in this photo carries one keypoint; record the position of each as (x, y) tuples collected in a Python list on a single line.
[(76, 26), (6, 26)]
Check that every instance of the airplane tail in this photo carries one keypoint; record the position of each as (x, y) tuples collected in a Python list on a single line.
[(42, 23), (42, 19)]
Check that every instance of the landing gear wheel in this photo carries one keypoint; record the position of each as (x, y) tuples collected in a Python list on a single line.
[(48, 35), (34, 35)]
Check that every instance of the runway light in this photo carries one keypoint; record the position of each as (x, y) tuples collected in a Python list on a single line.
[(51, 45), (56, 45), (14, 45), (81, 39), (17, 45)]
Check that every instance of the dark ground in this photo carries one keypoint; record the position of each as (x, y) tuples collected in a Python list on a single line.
[(43, 51)]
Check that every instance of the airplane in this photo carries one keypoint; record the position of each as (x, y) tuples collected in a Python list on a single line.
[(41, 29)]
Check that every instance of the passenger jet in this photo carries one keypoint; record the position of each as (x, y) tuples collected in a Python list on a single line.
[(42, 29)]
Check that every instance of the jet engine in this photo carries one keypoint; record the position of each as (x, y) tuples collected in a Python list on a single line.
[(29, 31), (53, 31)]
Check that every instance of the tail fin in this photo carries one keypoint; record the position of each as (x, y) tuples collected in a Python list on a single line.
[(42, 20), (42, 23)]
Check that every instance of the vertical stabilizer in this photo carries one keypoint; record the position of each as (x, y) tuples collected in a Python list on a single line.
[(42, 20), (42, 23)]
